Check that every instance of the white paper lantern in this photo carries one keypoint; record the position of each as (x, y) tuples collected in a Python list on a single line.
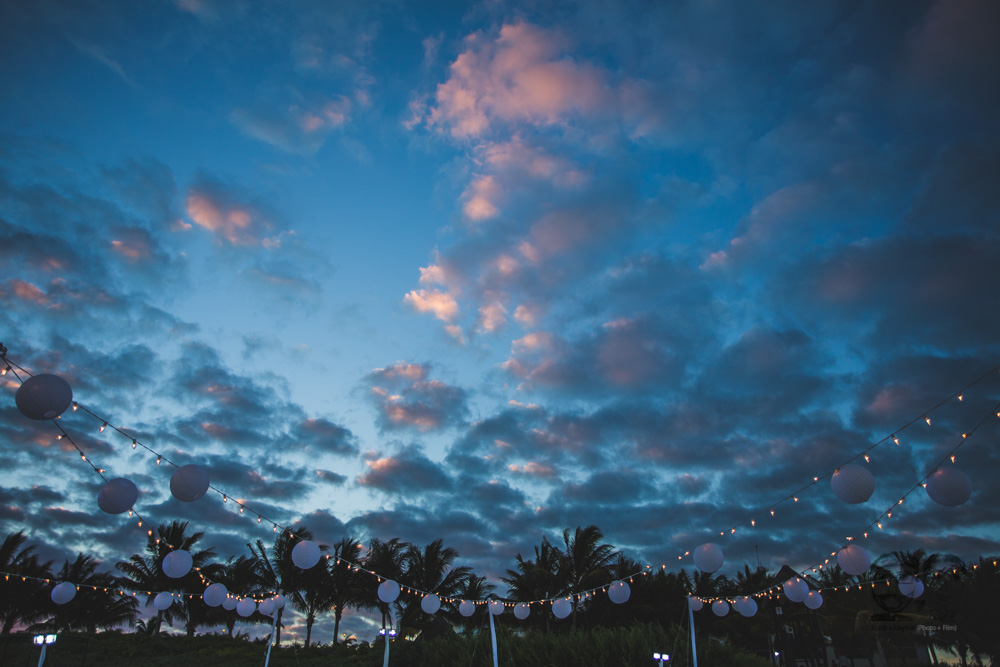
[(720, 607), (266, 607), (230, 603), (305, 554), (695, 603), (853, 483), (43, 397), (189, 483), (708, 558), (246, 607), (561, 608), (911, 587), (746, 606), (496, 607), (814, 600), (177, 563), (163, 600), (467, 608), (796, 589), (64, 592), (117, 496), (279, 601), (214, 594), (388, 591), (430, 603), (521, 610), (853, 559), (949, 486), (619, 592)]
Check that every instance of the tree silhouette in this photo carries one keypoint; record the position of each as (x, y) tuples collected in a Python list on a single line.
[(346, 583), (96, 604), (430, 569), (22, 601), (276, 570)]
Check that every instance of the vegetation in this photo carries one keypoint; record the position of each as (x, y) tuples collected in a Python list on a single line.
[(861, 616)]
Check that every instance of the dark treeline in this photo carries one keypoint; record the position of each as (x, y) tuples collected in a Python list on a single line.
[(862, 617)]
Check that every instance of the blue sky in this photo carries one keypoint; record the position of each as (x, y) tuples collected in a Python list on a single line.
[(484, 271)]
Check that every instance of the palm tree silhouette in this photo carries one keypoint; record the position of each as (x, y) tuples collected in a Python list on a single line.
[(22, 602), (276, 571)]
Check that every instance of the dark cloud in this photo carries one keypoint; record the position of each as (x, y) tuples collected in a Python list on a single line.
[(407, 472), (407, 399)]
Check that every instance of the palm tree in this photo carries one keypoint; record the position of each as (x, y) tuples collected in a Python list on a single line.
[(240, 577), (585, 562), (22, 601), (473, 587), (535, 579), (97, 603), (346, 585), (430, 570), (144, 574), (277, 572), (386, 559), (314, 593)]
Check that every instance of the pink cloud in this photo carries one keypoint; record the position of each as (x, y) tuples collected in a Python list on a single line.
[(229, 221), (533, 469), (479, 199), (492, 317), (442, 304)]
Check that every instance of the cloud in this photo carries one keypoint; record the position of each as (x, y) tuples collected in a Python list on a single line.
[(408, 472), (407, 399), (227, 215), (295, 128)]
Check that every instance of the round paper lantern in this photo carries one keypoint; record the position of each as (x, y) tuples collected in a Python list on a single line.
[(746, 606), (949, 486), (561, 608), (266, 607), (619, 592), (695, 603), (911, 587), (305, 554), (117, 496), (43, 397), (230, 603), (467, 608), (796, 589), (388, 591), (189, 483), (854, 559), (708, 558), (214, 594), (430, 603), (814, 600), (521, 610), (720, 607), (64, 592), (853, 483), (279, 601), (496, 607), (163, 600), (246, 607), (177, 563)]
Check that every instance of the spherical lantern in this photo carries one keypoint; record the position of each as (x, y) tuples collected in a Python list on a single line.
[(388, 591), (163, 600), (949, 486), (266, 607), (720, 607), (561, 608), (619, 592), (229, 603), (177, 563), (467, 608), (854, 559), (214, 594), (430, 603), (496, 607), (695, 603), (305, 554), (246, 607), (813, 600), (43, 397), (853, 483), (189, 483), (746, 606), (708, 558), (911, 587), (796, 589), (63, 593), (117, 496), (521, 610), (279, 601)]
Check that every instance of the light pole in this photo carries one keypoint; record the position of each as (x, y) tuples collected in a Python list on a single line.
[(43, 641), (388, 634), (661, 658)]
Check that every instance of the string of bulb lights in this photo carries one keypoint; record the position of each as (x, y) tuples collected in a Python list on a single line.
[(792, 497)]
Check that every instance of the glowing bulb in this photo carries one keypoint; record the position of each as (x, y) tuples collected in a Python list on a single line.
[(753, 522), (104, 426), (74, 406), (134, 444), (867, 460), (928, 420), (772, 512), (895, 439), (4, 371), (952, 458), (158, 459)]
